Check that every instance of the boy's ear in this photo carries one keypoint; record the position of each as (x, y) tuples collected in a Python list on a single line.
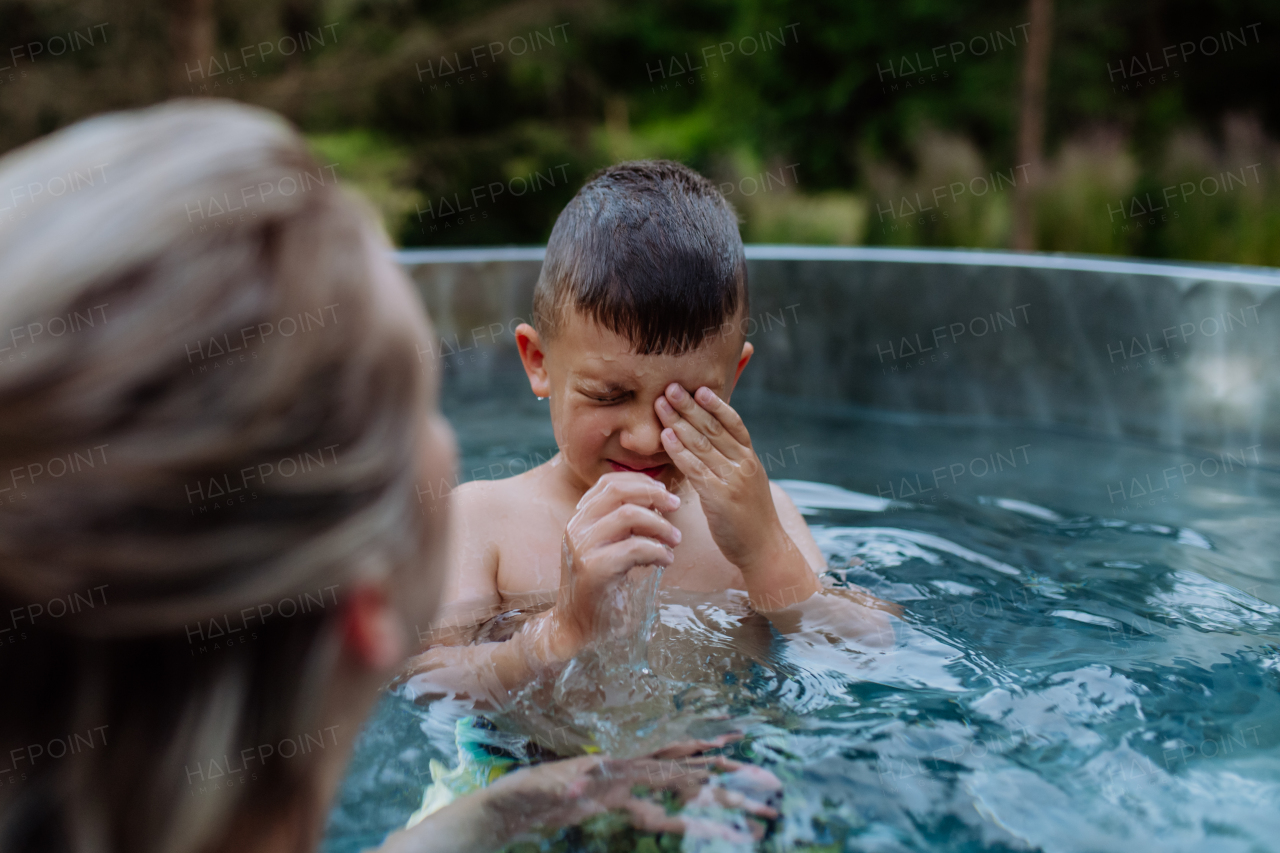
[(533, 356)]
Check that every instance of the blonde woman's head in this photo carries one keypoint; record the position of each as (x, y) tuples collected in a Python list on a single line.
[(214, 423)]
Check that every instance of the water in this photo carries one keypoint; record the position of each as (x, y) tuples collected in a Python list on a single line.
[(1088, 657)]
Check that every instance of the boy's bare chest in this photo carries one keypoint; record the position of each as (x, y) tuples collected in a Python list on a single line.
[(529, 556)]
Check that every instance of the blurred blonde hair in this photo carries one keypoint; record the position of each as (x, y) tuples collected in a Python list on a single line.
[(173, 230)]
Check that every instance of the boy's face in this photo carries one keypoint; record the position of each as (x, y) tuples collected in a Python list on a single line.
[(602, 393)]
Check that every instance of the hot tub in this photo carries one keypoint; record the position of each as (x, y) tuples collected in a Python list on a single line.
[(1064, 469)]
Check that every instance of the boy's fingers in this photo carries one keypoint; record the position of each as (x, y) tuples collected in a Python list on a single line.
[(636, 551), (695, 440), (676, 404), (632, 485), (684, 458), (701, 447), (724, 413), (633, 520), (625, 487)]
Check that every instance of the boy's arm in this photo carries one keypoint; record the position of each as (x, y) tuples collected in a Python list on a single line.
[(794, 525), (853, 608), (489, 674), (449, 662), (470, 592), (754, 524)]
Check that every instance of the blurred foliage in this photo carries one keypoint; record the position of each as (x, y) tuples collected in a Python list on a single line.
[(380, 167), (453, 115)]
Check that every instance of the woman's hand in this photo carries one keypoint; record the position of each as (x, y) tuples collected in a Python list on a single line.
[(567, 792), (564, 793)]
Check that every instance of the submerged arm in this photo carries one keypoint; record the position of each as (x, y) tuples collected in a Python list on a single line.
[(488, 672), (785, 586), (459, 656)]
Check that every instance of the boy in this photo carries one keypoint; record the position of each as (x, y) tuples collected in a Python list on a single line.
[(643, 271)]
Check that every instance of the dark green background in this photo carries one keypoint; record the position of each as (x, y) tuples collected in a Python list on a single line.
[(816, 103)]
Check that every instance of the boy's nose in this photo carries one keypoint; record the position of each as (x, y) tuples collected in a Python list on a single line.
[(643, 433)]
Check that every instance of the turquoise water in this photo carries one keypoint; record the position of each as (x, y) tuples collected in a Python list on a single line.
[(1085, 661)]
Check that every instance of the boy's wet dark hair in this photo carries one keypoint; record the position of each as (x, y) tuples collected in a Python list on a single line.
[(650, 250)]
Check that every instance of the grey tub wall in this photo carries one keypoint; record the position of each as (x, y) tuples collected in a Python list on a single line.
[(829, 325)]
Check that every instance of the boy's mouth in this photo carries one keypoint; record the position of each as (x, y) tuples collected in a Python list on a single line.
[(654, 472)]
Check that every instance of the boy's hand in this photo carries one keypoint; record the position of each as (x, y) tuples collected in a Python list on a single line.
[(618, 526), (708, 442)]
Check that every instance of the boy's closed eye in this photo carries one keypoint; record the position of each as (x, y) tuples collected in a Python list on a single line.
[(605, 393)]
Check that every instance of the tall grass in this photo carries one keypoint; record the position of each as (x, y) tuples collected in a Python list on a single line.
[(1079, 199), (952, 198), (1226, 198), (1195, 199)]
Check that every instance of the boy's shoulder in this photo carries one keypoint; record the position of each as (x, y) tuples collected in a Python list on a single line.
[(484, 513), (483, 496), (493, 501)]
